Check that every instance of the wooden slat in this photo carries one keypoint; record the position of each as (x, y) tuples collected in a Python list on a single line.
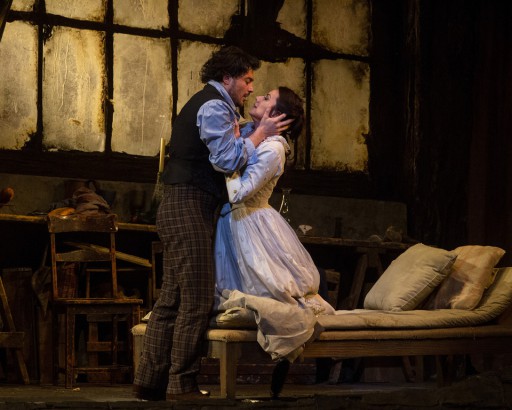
[(11, 340), (87, 223), (119, 255), (428, 347), (103, 369), (82, 255)]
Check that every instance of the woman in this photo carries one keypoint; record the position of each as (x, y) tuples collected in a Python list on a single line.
[(256, 250)]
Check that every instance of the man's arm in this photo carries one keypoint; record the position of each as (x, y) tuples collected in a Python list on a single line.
[(217, 126), (217, 121)]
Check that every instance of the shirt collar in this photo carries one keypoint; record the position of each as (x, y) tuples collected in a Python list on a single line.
[(218, 86)]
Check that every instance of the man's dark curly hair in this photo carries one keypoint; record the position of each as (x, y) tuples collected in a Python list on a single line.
[(229, 60), (290, 103)]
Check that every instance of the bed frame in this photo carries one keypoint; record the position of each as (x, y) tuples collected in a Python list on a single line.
[(228, 345), (229, 340)]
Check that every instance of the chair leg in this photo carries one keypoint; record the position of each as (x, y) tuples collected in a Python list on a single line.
[(56, 344), (70, 347)]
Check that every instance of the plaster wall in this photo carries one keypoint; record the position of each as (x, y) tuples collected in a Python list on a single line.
[(360, 218)]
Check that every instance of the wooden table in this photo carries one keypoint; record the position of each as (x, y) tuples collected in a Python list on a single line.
[(41, 219), (369, 253)]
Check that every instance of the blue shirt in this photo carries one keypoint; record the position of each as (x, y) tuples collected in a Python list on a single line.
[(216, 122)]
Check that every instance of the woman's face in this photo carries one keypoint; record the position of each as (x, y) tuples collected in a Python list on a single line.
[(262, 103)]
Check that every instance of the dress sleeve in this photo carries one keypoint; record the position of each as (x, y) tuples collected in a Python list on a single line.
[(265, 164), (216, 122)]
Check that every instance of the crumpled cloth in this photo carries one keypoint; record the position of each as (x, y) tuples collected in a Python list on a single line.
[(282, 329), (89, 202)]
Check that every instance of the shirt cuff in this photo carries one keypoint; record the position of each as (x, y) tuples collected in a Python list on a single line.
[(249, 146)]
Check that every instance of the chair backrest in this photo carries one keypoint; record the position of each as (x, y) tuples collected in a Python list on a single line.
[(84, 251)]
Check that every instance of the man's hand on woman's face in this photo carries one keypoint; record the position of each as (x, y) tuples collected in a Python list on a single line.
[(274, 125)]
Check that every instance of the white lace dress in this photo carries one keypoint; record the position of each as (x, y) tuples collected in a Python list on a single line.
[(256, 250)]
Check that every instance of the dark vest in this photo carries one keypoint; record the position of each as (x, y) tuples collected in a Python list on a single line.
[(188, 155)]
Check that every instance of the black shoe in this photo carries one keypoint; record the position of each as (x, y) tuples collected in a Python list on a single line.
[(278, 378), (148, 394)]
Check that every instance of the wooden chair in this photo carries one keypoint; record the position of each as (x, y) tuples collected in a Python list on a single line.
[(64, 229)]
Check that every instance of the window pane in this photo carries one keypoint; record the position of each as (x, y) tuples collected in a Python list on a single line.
[(22, 5), (208, 17), (18, 84), (191, 57), (142, 94), (339, 115), (292, 17), (77, 9), (342, 26), (141, 13), (73, 85)]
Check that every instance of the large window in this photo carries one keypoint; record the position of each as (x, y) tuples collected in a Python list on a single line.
[(104, 78)]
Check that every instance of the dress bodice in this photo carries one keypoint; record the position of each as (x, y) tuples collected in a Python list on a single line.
[(254, 186)]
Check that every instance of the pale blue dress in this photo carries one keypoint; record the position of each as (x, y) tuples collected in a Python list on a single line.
[(256, 251)]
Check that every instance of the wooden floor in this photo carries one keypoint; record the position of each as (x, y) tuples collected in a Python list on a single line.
[(492, 390), (86, 392)]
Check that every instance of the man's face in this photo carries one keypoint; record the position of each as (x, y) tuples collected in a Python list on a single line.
[(239, 88)]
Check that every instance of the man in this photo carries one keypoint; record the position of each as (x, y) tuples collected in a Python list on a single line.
[(203, 145)]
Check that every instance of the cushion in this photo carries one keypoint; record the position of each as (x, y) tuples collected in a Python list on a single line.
[(410, 278), (471, 274)]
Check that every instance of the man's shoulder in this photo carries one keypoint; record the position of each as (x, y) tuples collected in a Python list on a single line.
[(208, 93)]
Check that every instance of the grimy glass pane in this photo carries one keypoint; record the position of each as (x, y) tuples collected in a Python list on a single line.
[(18, 84), (142, 94), (339, 115), (93, 10), (191, 57), (22, 5), (208, 17), (342, 25), (292, 17), (141, 13), (73, 90)]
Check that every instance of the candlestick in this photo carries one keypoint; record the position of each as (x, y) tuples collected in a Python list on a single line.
[(162, 155)]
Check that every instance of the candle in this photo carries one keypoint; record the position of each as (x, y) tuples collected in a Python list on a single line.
[(162, 155)]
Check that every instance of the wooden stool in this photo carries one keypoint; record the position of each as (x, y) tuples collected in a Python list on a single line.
[(10, 338), (117, 310)]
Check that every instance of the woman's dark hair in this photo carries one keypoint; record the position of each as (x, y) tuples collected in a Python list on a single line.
[(290, 104), (229, 60)]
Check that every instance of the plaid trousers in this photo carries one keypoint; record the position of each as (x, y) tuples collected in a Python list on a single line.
[(173, 340)]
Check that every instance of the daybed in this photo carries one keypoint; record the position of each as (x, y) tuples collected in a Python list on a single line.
[(393, 331)]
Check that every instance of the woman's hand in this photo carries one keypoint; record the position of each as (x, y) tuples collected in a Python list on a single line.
[(269, 126)]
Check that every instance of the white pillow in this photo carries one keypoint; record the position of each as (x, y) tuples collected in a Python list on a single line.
[(410, 278), (470, 276)]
